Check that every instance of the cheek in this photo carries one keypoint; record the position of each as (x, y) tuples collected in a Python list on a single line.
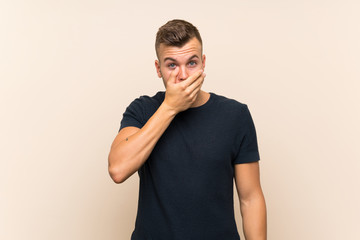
[(163, 72), (194, 69), (166, 75)]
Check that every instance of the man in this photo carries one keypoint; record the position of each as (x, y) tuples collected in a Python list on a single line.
[(188, 146)]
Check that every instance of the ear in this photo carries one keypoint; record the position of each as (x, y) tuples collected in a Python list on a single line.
[(157, 66), (203, 61)]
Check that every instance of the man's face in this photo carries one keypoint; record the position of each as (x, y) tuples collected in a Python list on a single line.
[(187, 58)]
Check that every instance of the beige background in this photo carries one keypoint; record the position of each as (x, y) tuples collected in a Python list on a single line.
[(69, 69)]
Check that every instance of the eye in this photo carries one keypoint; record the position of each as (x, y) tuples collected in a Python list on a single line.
[(192, 63), (171, 65)]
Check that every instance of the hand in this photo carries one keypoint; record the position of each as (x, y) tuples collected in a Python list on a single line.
[(180, 96)]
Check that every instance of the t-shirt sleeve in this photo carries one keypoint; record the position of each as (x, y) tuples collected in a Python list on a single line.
[(133, 115), (248, 149)]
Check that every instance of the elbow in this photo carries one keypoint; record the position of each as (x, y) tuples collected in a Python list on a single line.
[(115, 171), (256, 197), (116, 175)]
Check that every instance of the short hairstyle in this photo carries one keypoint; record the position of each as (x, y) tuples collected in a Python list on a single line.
[(176, 33)]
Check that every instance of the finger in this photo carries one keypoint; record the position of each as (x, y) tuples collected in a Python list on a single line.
[(187, 82), (196, 90), (173, 75), (196, 83)]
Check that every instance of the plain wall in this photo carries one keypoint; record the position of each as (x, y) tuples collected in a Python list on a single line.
[(68, 70)]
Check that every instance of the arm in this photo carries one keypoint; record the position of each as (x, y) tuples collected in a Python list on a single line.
[(252, 201), (132, 146)]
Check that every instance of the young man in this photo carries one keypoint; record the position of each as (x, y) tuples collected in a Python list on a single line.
[(188, 147)]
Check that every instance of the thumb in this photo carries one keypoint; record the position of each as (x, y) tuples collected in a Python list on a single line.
[(173, 75)]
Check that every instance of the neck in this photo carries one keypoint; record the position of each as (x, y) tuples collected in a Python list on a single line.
[(201, 99)]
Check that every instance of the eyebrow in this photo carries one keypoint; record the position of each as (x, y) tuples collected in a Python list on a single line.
[(174, 60)]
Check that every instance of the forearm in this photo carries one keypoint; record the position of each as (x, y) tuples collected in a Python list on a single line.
[(254, 218), (129, 155)]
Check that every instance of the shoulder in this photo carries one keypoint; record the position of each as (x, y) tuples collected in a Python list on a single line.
[(230, 105), (140, 110), (146, 101)]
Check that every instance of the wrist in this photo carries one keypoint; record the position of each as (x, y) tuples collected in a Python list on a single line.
[(168, 109)]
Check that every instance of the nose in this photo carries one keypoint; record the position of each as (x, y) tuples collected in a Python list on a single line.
[(182, 74)]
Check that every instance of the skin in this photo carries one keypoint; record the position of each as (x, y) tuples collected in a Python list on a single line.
[(132, 146), (182, 71), (184, 61), (252, 201)]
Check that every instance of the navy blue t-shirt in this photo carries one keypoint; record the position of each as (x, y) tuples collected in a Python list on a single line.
[(186, 184)]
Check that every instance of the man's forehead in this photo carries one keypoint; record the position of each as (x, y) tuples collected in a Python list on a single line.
[(176, 58), (188, 50)]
